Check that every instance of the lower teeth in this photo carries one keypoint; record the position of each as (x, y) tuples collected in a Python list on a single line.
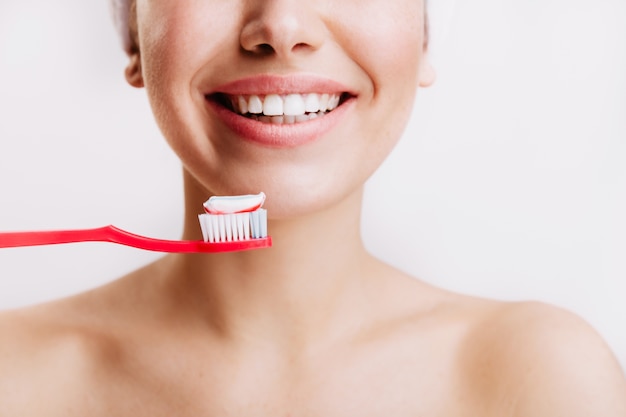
[(284, 119)]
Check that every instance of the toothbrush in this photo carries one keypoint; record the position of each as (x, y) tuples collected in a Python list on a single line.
[(230, 223), (115, 235)]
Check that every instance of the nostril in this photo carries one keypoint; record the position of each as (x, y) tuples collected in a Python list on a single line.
[(263, 49), (300, 46)]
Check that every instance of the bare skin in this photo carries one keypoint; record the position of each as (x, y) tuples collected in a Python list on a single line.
[(355, 338), (314, 326)]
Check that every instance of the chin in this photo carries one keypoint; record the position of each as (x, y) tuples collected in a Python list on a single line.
[(291, 202), (291, 192), (296, 178)]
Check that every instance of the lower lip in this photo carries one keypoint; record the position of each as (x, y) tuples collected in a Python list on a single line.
[(280, 135)]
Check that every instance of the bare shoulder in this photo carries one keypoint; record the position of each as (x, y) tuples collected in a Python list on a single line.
[(51, 355), (533, 359)]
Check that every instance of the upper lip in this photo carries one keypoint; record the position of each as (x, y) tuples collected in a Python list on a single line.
[(283, 84)]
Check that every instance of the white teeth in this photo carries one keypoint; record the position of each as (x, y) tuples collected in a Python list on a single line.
[(243, 105), (324, 102), (333, 102), (255, 105), (273, 105), (285, 109), (294, 105), (312, 103)]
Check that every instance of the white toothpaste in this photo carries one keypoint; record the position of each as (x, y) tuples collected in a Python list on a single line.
[(234, 218), (234, 204)]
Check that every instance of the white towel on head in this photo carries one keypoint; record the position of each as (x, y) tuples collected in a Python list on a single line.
[(439, 14)]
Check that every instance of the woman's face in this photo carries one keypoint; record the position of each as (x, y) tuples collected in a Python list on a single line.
[(203, 63)]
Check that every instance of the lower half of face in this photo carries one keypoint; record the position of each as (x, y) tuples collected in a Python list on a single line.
[(301, 101)]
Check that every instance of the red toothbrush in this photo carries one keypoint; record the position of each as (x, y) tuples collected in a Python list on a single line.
[(115, 235)]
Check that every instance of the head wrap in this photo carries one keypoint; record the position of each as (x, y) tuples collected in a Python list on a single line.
[(439, 16)]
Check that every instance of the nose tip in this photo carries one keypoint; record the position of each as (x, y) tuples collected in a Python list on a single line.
[(281, 28)]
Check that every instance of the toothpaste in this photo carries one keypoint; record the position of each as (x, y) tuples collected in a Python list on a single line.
[(234, 204)]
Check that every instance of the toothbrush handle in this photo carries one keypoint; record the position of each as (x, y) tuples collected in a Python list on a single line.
[(115, 235), (51, 237)]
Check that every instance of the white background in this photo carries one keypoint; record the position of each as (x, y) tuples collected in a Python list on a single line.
[(509, 183)]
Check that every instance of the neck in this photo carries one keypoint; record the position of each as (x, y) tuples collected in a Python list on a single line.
[(314, 272)]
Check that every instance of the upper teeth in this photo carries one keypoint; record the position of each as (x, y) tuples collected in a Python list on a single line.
[(285, 105)]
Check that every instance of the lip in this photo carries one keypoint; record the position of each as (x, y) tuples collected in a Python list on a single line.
[(274, 84), (280, 135)]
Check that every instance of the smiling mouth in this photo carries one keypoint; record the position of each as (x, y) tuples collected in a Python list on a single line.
[(281, 108)]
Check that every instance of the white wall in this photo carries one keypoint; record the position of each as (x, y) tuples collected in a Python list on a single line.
[(509, 183)]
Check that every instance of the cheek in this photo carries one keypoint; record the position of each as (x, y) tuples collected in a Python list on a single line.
[(177, 39), (179, 36), (394, 72), (386, 40), (163, 49), (384, 36)]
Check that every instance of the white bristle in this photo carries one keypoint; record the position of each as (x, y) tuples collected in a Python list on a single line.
[(228, 223), (233, 223), (254, 224), (203, 226), (233, 227), (239, 220), (215, 228), (263, 216), (258, 221), (246, 225), (222, 228)]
